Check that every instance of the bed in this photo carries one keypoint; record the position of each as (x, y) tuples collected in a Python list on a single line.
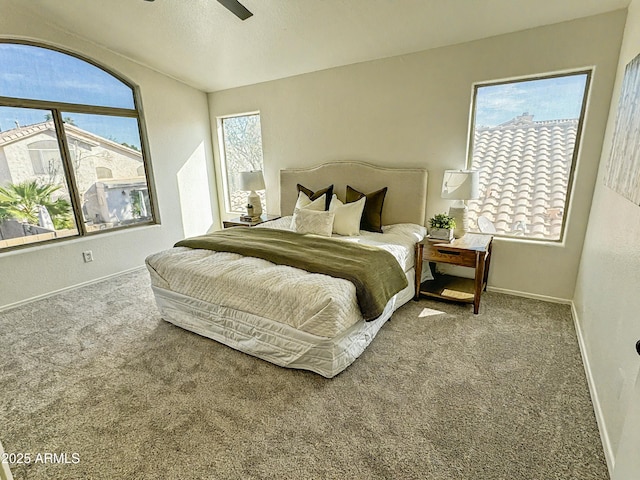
[(286, 315)]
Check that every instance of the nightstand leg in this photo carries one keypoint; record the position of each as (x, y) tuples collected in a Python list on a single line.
[(418, 267), (486, 267), (480, 264)]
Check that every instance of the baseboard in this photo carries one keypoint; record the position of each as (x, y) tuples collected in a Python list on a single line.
[(604, 437), (66, 289), (517, 293)]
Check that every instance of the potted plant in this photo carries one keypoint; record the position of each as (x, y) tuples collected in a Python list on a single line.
[(441, 227)]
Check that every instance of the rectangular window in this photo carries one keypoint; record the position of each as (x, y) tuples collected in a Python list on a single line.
[(109, 170), (240, 151), (35, 197), (524, 139)]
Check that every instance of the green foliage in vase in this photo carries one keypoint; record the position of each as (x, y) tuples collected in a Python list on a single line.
[(442, 220)]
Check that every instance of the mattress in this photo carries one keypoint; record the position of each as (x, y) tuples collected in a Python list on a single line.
[(274, 341)]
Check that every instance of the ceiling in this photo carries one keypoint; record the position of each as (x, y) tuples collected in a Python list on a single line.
[(201, 43)]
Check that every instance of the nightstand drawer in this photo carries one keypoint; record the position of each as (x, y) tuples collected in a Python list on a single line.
[(445, 254)]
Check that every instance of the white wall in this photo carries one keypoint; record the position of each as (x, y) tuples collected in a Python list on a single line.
[(413, 110), (607, 295), (180, 143)]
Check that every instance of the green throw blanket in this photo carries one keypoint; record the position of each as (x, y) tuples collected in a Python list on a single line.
[(375, 273)]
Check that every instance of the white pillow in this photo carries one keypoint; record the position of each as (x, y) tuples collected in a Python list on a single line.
[(312, 221), (348, 215), (305, 203)]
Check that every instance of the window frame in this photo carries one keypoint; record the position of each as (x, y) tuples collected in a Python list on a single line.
[(57, 108), (223, 157), (588, 71)]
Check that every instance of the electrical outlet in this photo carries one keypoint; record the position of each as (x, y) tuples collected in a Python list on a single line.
[(87, 255)]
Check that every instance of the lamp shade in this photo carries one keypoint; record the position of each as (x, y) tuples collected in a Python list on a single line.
[(460, 184), (251, 181)]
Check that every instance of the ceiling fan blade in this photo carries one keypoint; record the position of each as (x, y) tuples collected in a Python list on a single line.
[(235, 7)]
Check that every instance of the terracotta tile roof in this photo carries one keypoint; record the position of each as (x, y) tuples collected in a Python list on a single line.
[(17, 133), (524, 172)]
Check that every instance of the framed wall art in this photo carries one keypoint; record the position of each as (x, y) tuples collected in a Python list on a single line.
[(623, 169)]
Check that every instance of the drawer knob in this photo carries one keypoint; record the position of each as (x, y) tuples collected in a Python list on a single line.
[(449, 252)]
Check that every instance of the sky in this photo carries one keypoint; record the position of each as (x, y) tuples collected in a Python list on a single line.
[(42, 74), (545, 99)]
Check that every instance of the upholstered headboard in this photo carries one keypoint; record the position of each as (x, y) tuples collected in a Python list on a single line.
[(406, 197)]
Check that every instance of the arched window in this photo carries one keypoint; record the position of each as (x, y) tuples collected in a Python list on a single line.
[(66, 123)]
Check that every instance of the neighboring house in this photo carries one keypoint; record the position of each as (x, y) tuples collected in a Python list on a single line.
[(31, 153), (524, 168)]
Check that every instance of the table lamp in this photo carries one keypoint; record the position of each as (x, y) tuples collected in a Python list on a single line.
[(250, 182), (460, 185)]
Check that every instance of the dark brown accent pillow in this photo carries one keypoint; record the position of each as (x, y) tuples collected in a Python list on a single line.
[(372, 215), (317, 194)]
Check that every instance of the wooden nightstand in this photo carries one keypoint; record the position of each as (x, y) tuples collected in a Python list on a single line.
[(237, 222), (473, 250)]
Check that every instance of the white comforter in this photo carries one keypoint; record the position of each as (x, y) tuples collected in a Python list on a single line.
[(313, 303)]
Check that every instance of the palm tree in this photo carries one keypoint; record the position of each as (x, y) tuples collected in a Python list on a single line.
[(21, 201)]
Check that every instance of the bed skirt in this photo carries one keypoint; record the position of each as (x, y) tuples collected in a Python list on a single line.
[(273, 341)]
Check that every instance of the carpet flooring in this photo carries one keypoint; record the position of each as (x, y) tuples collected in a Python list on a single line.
[(95, 374)]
